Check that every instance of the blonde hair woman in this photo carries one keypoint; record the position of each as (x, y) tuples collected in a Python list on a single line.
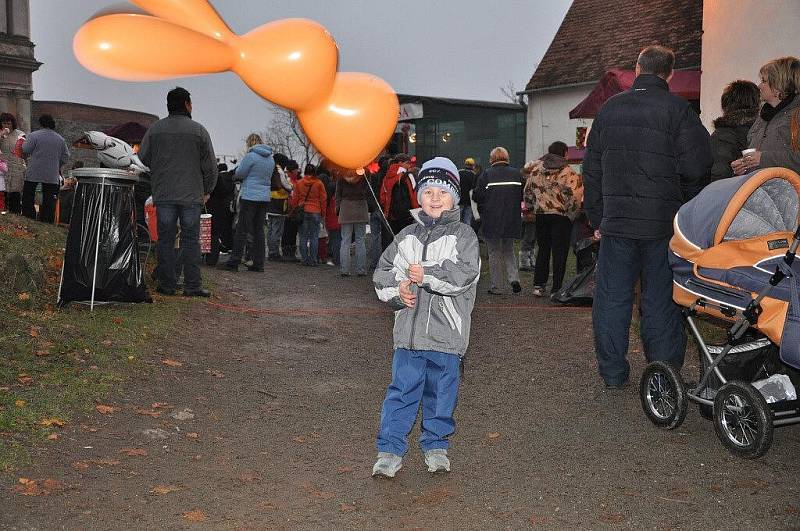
[(255, 174), (498, 194), (774, 135)]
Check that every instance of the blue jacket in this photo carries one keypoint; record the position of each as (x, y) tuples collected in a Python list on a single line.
[(255, 172)]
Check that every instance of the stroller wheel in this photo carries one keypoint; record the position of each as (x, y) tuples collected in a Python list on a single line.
[(663, 395), (743, 420)]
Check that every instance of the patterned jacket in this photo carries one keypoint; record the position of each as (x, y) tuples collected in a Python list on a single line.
[(552, 187), (448, 252)]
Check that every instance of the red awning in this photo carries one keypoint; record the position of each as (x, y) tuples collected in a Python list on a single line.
[(684, 83), (130, 132)]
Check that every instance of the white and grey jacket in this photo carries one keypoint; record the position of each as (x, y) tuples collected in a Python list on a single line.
[(448, 252)]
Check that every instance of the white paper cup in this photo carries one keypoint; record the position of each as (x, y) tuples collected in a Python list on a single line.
[(748, 151)]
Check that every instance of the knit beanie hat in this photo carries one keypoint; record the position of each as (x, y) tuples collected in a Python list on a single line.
[(441, 172)]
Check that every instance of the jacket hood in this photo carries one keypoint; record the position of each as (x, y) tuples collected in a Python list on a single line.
[(262, 149), (553, 162), (448, 216), (737, 118)]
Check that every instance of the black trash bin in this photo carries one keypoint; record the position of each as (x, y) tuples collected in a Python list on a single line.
[(101, 261)]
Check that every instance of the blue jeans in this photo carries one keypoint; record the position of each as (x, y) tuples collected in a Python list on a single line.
[(620, 262), (274, 234), (309, 238), (351, 232), (375, 243), (168, 215), (420, 375)]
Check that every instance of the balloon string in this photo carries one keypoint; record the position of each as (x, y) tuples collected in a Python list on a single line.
[(385, 221)]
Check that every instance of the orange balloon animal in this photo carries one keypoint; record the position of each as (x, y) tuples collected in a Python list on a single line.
[(348, 116)]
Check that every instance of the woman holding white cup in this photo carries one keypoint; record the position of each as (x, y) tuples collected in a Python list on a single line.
[(771, 141)]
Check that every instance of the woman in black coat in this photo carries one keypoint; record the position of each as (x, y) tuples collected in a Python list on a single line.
[(740, 104), (498, 193)]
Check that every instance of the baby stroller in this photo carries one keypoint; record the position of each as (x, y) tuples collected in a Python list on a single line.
[(733, 263)]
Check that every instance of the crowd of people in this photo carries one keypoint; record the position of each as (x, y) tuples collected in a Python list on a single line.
[(647, 154)]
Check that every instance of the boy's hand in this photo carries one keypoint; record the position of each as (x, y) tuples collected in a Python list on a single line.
[(415, 273), (406, 295)]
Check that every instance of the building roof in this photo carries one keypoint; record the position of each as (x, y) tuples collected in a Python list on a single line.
[(408, 98), (598, 35)]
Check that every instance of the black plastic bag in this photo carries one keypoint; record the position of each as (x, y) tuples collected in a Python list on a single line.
[(111, 208)]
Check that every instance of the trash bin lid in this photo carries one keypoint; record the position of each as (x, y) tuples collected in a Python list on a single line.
[(97, 174)]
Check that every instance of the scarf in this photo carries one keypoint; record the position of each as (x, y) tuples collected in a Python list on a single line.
[(768, 112)]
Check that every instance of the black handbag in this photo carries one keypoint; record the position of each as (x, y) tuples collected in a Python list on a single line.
[(298, 211)]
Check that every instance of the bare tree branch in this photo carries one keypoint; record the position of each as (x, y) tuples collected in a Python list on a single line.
[(285, 135)]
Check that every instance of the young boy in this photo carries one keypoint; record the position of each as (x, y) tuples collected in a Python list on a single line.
[(428, 275)]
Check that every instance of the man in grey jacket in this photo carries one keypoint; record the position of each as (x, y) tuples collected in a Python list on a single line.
[(46, 152), (183, 167)]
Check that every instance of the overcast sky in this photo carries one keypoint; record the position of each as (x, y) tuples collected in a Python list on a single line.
[(452, 48)]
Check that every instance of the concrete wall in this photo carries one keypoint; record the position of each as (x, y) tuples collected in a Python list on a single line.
[(548, 118), (738, 38)]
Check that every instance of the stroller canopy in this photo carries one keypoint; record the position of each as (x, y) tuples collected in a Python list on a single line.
[(742, 207)]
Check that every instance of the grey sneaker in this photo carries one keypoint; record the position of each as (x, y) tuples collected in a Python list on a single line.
[(437, 460), (387, 464)]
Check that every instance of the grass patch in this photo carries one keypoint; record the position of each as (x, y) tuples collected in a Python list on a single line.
[(56, 363)]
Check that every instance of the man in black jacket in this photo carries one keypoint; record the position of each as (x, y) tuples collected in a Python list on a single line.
[(647, 154), (183, 171)]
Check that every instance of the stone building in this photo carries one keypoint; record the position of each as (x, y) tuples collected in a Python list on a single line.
[(73, 119), (17, 62)]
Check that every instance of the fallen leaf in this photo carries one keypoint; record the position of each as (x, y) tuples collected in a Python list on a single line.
[(80, 465), (51, 484), (19, 403), (344, 469), (347, 508), (105, 410), (41, 353), (30, 487), (134, 452), (493, 435), (52, 436), (147, 412), (164, 489), (90, 429), (171, 363), (24, 296), (24, 379), (158, 405), (792, 510), (104, 461), (215, 373), (52, 422), (33, 332), (195, 516), (117, 320), (192, 435), (299, 439)]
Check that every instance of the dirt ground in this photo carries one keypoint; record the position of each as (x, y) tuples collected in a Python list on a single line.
[(266, 414)]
